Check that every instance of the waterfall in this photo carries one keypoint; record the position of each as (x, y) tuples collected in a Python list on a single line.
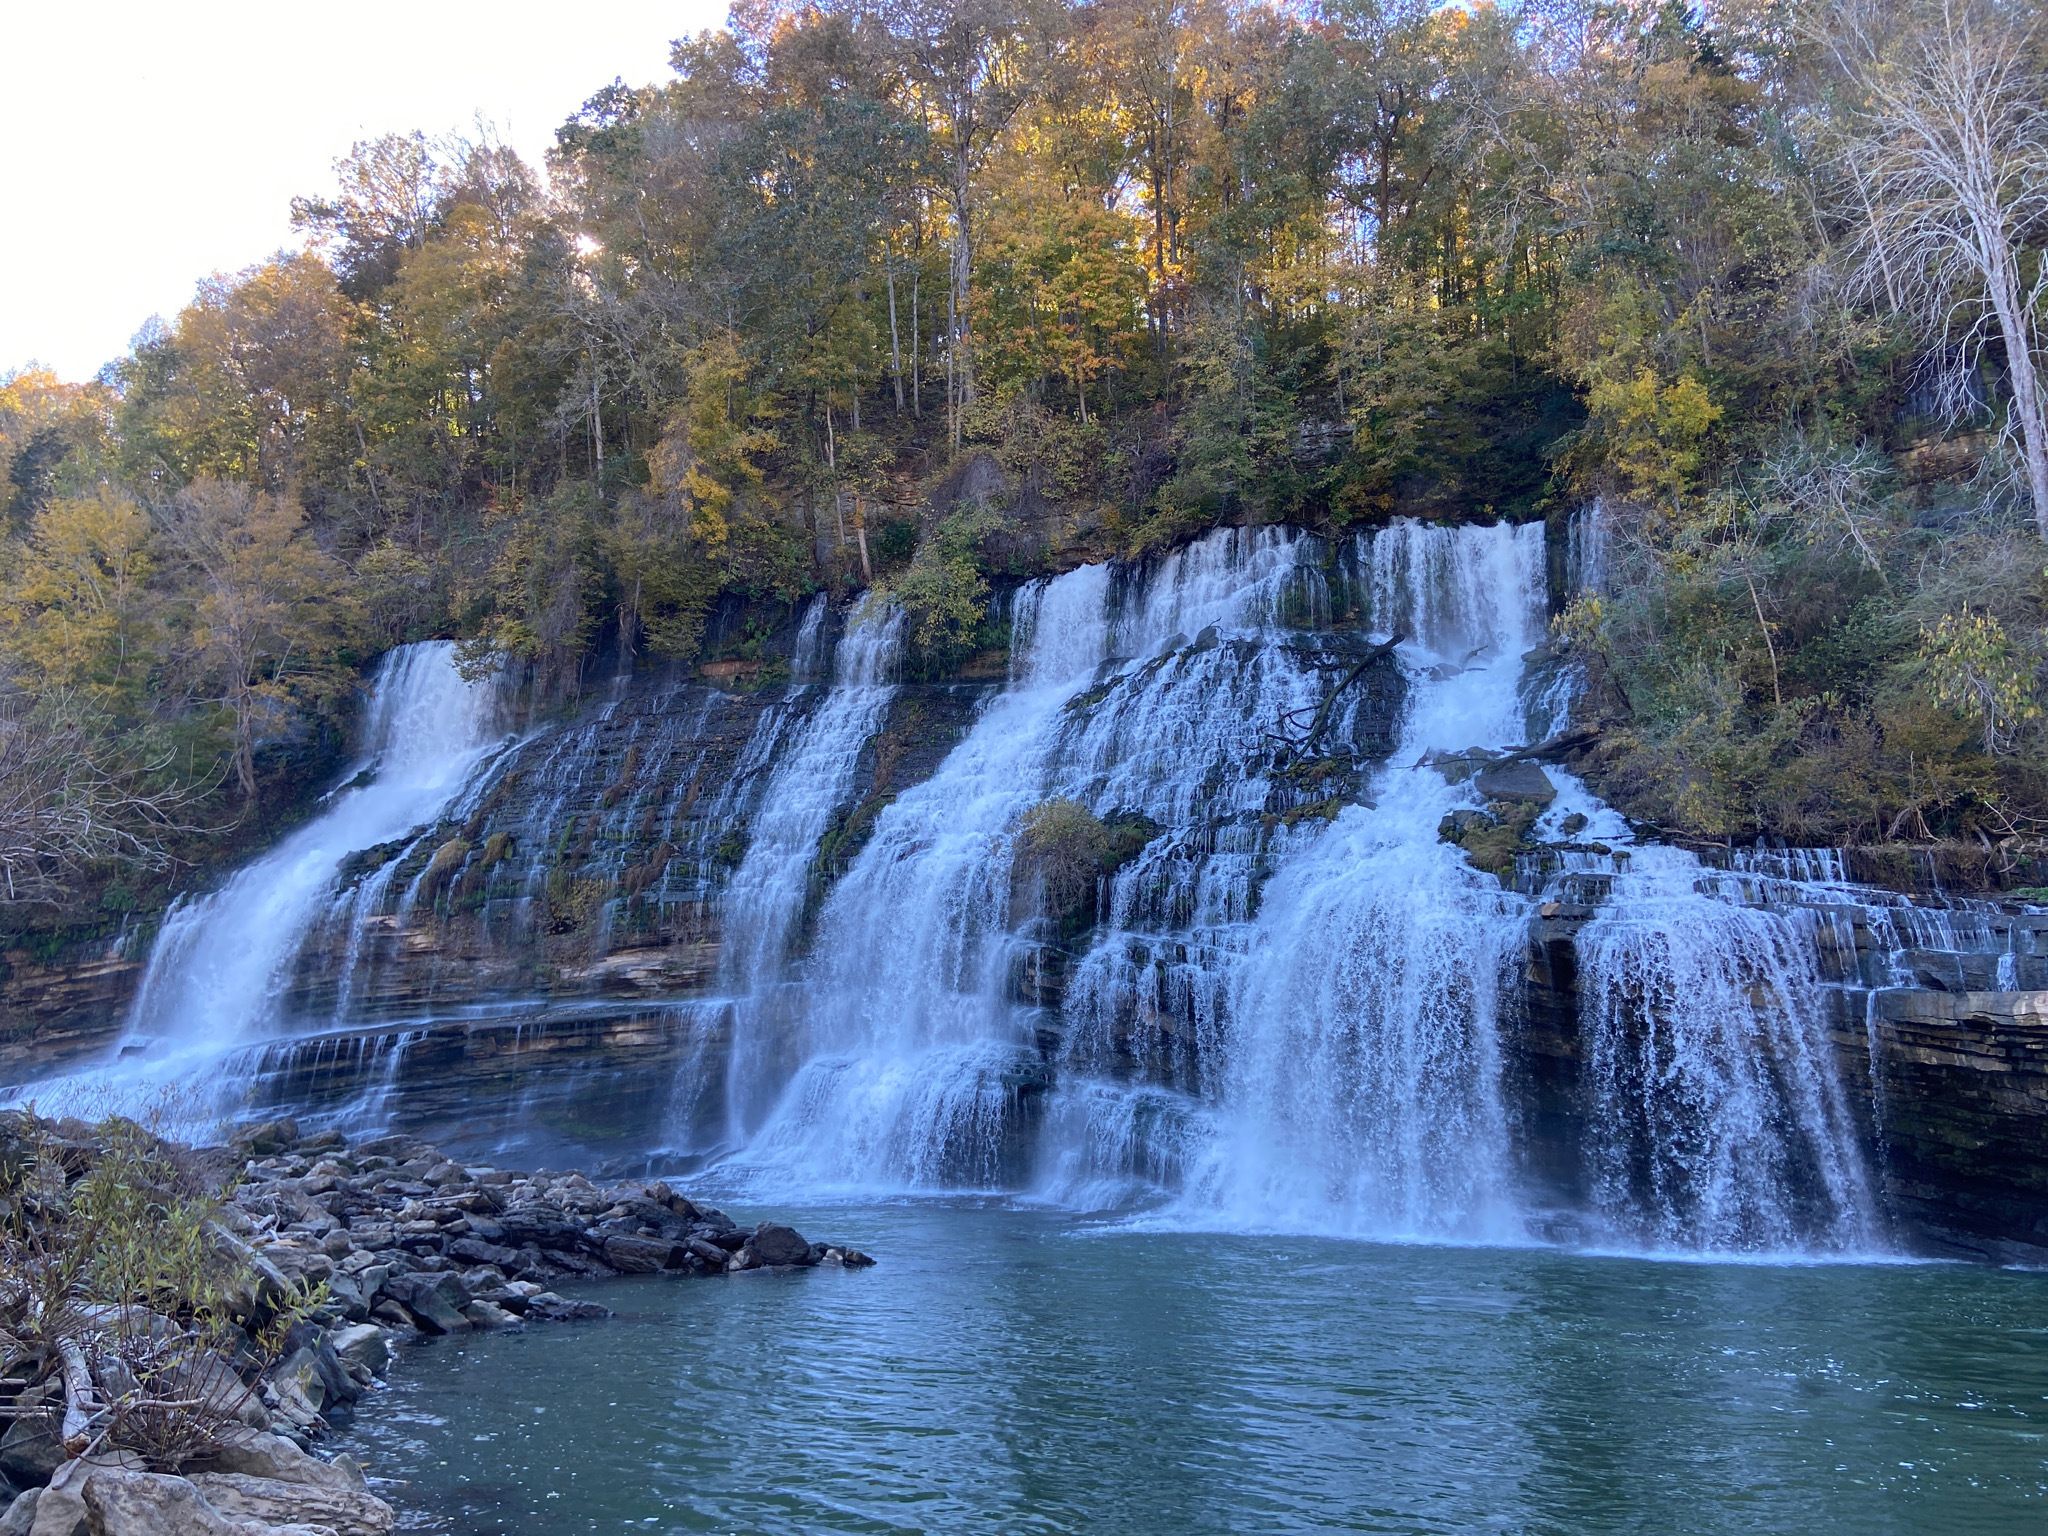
[(764, 898), (1361, 1069), (1284, 998), (918, 1048), (222, 964), (1717, 1117)]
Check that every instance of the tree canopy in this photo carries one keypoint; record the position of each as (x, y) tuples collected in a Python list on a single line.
[(1756, 278)]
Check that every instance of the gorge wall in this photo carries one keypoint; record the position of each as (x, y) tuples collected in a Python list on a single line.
[(1226, 892)]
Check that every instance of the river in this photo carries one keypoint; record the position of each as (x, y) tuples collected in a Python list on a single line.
[(1009, 1369)]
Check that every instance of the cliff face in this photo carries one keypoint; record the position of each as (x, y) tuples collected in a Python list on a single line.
[(56, 1012)]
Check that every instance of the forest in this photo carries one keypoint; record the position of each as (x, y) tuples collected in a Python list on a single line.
[(925, 295)]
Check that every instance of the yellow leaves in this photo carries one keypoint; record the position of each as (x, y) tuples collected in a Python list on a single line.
[(1654, 433), (1974, 669), (72, 613), (709, 452)]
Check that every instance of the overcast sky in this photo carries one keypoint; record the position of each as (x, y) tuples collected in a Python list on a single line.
[(154, 143)]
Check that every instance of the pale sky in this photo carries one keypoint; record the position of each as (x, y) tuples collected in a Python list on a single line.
[(154, 143)]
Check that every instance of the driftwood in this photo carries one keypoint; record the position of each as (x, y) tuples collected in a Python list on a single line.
[(1550, 749), (78, 1398), (1320, 715)]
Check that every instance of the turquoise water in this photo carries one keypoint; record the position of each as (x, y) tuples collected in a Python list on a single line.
[(1010, 1370)]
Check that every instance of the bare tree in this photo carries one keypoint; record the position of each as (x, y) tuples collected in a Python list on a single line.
[(1946, 144), (67, 803)]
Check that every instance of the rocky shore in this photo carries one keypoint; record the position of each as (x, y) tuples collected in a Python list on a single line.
[(280, 1277)]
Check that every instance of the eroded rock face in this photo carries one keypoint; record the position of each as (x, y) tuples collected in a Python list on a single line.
[(1961, 1108)]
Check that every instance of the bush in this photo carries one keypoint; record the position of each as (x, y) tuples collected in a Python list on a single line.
[(1065, 852), (130, 1309)]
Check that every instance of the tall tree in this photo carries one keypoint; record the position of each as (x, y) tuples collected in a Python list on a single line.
[(1947, 144)]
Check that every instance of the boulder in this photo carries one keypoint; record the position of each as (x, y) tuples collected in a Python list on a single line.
[(773, 1243), (435, 1300), (20, 1517), (642, 1255), (346, 1511), (125, 1503), (364, 1344), (706, 1252), (474, 1250), (548, 1307), (253, 1453), (1515, 782), (62, 1510), (270, 1138), (30, 1450)]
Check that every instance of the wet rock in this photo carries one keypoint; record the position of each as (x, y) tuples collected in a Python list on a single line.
[(271, 1138), (772, 1243), (548, 1307), (364, 1344), (345, 1511), (1517, 783), (435, 1300), (642, 1255)]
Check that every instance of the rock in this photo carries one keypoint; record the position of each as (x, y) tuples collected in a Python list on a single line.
[(252, 1453), (551, 1308), (270, 1138), (346, 1511), (1515, 782), (62, 1510), (772, 1243), (348, 1298), (435, 1300), (1573, 824), (30, 1450), (707, 1252), (129, 1503), (213, 1381), (642, 1255), (472, 1250), (364, 1344), (484, 1314), (21, 1514), (259, 1288)]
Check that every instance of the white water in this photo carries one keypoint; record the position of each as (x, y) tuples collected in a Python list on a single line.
[(1301, 1027), (220, 972), (1718, 1116), (916, 1046), (763, 900), (1362, 1066)]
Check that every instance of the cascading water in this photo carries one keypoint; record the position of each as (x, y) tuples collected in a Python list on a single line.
[(1717, 1117), (1293, 1015), (1290, 1003), (918, 1046), (1361, 1067), (765, 896), (220, 971)]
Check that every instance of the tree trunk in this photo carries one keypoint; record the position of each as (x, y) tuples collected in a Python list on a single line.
[(895, 343), (2022, 375)]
